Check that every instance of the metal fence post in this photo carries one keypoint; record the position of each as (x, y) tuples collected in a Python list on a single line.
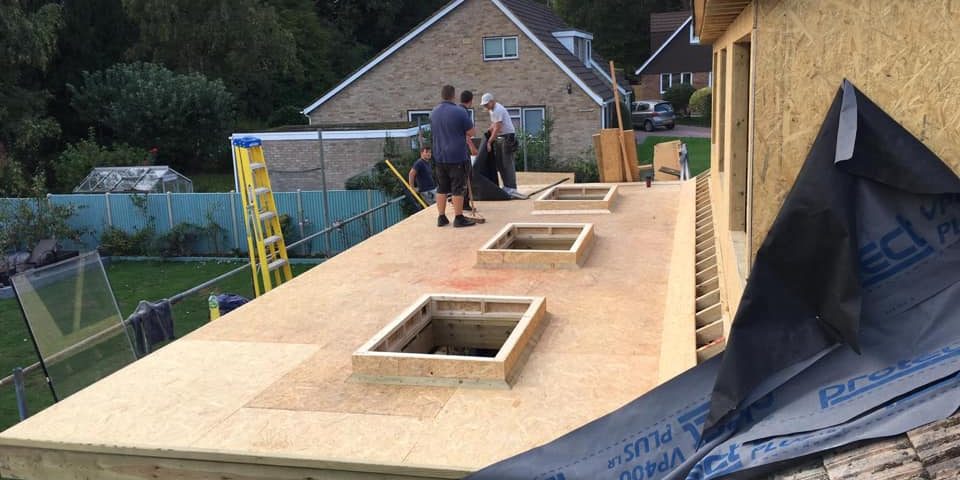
[(106, 201), (370, 217), (20, 390), (326, 197), (233, 219), (300, 219), (170, 209)]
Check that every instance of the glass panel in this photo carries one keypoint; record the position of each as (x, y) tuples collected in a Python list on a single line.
[(510, 47), (75, 322), (663, 107), (664, 81), (422, 117), (533, 121), (493, 48), (686, 78)]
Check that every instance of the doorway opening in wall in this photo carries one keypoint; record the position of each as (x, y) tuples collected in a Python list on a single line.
[(738, 150)]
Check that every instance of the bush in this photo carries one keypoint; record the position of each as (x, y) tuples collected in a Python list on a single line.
[(24, 223), (179, 241), (679, 96), (114, 241), (701, 102), (75, 163), (186, 116)]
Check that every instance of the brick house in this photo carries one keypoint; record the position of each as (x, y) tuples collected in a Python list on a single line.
[(537, 66), (678, 58)]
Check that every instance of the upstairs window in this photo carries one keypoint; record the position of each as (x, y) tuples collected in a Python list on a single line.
[(499, 48)]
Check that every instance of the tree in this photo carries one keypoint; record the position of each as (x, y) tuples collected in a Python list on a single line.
[(621, 28), (187, 117), (241, 42), (679, 96), (28, 40)]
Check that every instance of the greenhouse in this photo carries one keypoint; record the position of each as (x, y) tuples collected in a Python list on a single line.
[(149, 179)]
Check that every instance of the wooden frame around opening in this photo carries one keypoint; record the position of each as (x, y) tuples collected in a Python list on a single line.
[(576, 199), (471, 320), (502, 250)]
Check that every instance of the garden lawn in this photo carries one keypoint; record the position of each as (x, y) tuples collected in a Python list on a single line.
[(131, 282), (698, 151)]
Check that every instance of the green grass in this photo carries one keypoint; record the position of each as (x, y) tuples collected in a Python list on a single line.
[(698, 150), (212, 182), (131, 282)]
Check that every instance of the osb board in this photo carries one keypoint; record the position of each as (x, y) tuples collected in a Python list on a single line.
[(903, 55), (610, 156), (543, 178), (666, 154), (678, 347), (269, 382)]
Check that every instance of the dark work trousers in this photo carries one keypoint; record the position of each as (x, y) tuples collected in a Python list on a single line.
[(505, 156)]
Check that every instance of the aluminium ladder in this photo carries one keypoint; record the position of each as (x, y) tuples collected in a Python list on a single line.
[(268, 251)]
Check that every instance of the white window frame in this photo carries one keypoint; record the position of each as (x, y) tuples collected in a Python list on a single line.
[(690, 74), (710, 79), (502, 48), (411, 113), (669, 84), (518, 119)]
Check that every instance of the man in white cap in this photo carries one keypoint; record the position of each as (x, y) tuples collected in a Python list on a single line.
[(503, 143)]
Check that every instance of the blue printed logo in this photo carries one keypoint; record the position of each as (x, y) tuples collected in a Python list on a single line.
[(833, 395), (894, 252)]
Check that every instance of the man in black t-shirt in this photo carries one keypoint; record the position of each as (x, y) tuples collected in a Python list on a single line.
[(421, 176)]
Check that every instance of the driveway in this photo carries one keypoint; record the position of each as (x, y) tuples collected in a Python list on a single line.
[(678, 131)]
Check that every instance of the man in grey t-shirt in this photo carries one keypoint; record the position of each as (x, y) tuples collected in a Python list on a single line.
[(503, 142)]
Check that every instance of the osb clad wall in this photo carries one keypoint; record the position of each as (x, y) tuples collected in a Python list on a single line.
[(451, 51), (902, 54)]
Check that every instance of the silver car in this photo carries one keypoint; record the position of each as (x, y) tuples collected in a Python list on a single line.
[(652, 114)]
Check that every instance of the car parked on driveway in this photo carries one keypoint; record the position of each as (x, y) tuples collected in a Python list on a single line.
[(652, 114)]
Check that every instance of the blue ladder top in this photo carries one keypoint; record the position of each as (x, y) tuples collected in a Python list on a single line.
[(247, 142)]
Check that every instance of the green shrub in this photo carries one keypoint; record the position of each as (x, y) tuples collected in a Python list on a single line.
[(701, 102), (179, 241), (679, 96), (75, 163), (24, 223)]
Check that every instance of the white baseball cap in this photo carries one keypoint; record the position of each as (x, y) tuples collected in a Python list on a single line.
[(487, 98)]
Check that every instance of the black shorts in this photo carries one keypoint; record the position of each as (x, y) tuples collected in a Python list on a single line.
[(451, 178)]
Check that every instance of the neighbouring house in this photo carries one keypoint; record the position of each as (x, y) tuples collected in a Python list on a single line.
[(678, 57), (536, 65)]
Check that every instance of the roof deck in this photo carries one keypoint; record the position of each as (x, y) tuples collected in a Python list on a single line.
[(268, 391)]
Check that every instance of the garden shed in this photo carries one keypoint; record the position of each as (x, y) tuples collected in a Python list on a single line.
[(147, 179)]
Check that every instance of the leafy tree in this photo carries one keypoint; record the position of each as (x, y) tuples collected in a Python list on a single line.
[(621, 28), (25, 223), (679, 96), (241, 42), (375, 24), (28, 40), (94, 36), (186, 116), (75, 163)]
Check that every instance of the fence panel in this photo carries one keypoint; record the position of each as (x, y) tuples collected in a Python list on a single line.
[(221, 214)]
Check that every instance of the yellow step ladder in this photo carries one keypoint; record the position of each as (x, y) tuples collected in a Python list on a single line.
[(268, 252)]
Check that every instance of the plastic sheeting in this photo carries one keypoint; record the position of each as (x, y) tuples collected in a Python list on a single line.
[(848, 328)]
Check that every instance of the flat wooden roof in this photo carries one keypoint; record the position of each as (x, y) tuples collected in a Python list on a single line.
[(269, 384)]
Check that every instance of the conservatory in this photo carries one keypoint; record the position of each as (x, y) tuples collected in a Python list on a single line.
[(148, 179)]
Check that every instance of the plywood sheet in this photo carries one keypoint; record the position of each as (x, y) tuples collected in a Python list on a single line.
[(666, 154), (903, 55), (543, 178), (268, 382), (609, 156)]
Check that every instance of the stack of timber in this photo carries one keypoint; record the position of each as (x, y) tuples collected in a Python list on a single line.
[(616, 155)]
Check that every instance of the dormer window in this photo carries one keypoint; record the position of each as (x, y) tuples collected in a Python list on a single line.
[(580, 44)]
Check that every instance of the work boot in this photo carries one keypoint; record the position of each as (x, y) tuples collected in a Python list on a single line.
[(462, 221), (442, 221)]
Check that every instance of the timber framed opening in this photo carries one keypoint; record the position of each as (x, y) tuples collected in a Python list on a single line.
[(576, 199), (538, 245)]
